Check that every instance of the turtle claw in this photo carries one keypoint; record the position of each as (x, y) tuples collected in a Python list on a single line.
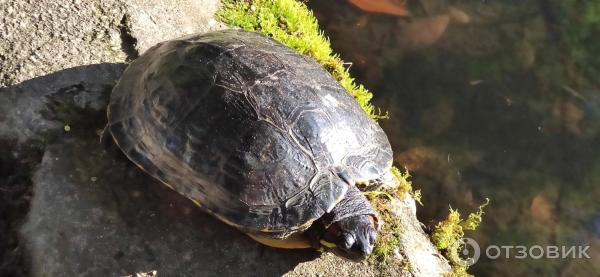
[(370, 185)]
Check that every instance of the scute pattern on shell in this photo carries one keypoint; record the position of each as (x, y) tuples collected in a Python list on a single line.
[(254, 131)]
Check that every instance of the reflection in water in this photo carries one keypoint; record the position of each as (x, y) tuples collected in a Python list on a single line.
[(489, 99)]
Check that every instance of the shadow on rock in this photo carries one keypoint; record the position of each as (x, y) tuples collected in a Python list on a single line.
[(93, 212)]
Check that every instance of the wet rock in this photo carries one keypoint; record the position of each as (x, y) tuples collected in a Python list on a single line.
[(415, 246), (35, 111)]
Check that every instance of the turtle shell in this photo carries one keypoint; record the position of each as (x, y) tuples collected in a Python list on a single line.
[(255, 133)]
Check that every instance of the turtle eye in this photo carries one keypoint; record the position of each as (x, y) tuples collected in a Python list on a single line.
[(347, 240), (372, 236)]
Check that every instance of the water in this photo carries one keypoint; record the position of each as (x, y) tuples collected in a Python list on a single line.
[(490, 99)]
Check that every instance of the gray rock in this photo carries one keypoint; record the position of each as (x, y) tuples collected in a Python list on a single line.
[(44, 36), (29, 109), (153, 21)]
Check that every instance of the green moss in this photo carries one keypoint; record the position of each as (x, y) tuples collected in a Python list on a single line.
[(450, 231), (404, 185), (459, 271), (389, 236), (293, 24)]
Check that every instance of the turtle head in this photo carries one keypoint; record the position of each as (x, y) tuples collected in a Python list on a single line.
[(352, 237), (349, 229)]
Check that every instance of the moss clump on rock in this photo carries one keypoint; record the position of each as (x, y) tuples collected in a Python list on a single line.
[(388, 239), (448, 233)]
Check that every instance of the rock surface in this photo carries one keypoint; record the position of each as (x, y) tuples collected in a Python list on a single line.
[(152, 21), (92, 212), (43, 36), (40, 37)]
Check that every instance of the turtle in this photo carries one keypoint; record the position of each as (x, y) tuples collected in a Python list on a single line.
[(256, 134)]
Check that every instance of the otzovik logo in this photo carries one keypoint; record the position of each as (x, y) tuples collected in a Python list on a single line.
[(469, 251)]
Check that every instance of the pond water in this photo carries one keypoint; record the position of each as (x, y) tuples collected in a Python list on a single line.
[(490, 99)]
